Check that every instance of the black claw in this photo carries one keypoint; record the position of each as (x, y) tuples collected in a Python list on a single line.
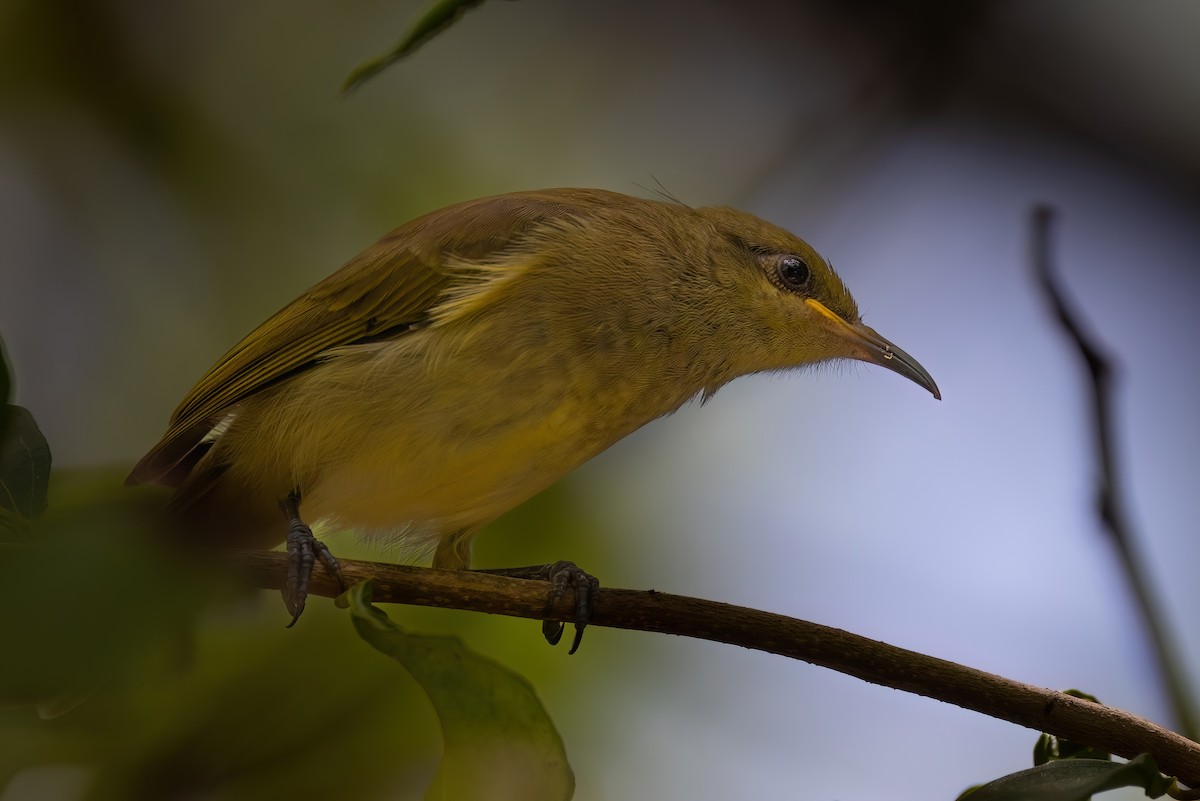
[(578, 639), (561, 575), (300, 548), (553, 630), (303, 550)]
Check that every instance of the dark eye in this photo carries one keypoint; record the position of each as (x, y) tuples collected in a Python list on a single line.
[(793, 272)]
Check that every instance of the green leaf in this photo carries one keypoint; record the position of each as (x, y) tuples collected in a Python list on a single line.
[(439, 16), (1048, 747), (499, 741), (5, 377), (95, 591), (24, 463), (1073, 780), (5, 385)]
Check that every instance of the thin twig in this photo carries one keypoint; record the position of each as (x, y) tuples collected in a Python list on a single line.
[(1110, 503), (1040, 709)]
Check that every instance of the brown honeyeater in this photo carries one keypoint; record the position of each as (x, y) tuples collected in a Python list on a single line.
[(473, 356)]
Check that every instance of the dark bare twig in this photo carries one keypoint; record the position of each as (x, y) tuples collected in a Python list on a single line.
[(1040, 709), (1109, 500)]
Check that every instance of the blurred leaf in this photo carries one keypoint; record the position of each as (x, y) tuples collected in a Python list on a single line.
[(1073, 780), (5, 389), (94, 592), (1048, 747), (191, 690), (263, 712), (5, 382), (24, 463), (439, 16), (499, 741)]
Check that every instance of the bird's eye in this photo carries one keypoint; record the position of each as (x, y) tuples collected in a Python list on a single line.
[(793, 272)]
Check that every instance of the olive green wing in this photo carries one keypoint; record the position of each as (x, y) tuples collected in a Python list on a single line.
[(385, 290)]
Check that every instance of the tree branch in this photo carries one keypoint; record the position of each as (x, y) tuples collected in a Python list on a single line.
[(1040, 709), (1110, 505)]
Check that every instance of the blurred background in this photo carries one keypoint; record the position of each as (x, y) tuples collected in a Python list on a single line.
[(172, 173)]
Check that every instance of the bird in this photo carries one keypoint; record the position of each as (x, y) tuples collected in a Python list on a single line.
[(473, 356)]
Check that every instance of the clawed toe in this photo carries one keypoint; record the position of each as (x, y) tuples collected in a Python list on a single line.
[(568, 574), (303, 549), (561, 575)]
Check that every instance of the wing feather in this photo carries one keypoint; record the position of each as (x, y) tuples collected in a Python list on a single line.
[(387, 289)]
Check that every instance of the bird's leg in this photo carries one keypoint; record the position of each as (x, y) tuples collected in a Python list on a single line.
[(561, 575), (303, 549)]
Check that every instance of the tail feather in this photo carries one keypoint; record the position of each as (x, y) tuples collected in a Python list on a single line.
[(172, 460), (210, 508)]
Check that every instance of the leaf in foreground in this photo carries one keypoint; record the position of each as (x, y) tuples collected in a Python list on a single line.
[(439, 16), (1049, 747), (499, 741), (5, 380), (1073, 780), (24, 463)]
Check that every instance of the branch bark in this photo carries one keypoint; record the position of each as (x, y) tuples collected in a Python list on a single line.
[(1040, 709)]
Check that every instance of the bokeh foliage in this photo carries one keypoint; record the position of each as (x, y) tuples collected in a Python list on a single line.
[(137, 668)]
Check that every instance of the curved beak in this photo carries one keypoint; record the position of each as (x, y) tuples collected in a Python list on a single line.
[(868, 346)]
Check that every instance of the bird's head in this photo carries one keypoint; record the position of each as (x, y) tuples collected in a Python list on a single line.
[(791, 307)]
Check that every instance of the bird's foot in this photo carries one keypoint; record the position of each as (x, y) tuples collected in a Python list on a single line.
[(561, 575), (303, 549)]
